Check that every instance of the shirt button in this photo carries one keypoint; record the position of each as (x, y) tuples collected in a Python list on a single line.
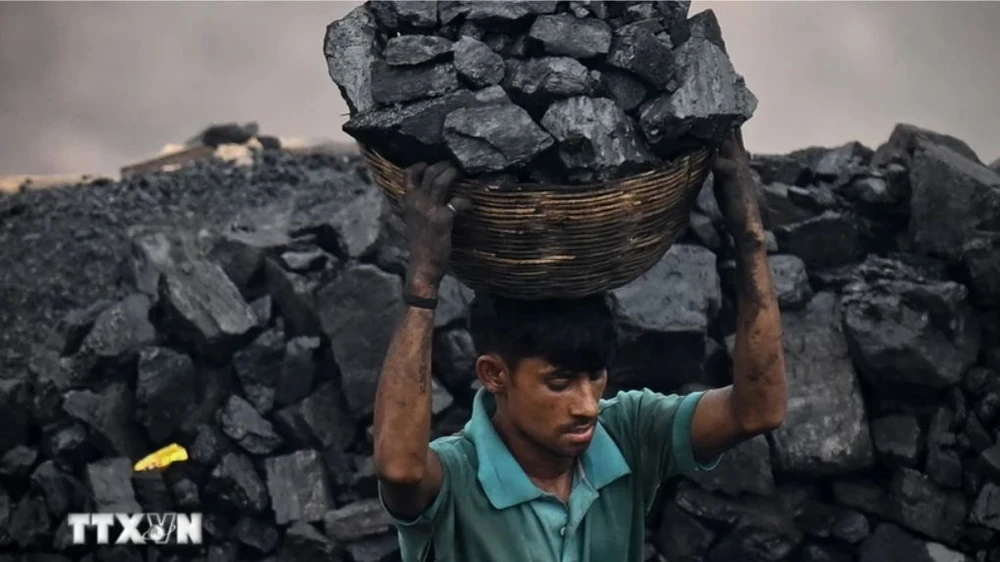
[(562, 531)]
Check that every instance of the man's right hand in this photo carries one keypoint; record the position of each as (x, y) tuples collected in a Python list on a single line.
[(429, 215)]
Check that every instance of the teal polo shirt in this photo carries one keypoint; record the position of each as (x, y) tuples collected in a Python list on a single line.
[(488, 510)]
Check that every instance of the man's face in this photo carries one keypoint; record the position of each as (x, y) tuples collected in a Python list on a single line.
[(555, 409)]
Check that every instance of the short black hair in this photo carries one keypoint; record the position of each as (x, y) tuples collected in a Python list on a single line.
[(578, 335)]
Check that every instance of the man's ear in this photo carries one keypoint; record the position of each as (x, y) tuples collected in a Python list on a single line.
[(492, 371)]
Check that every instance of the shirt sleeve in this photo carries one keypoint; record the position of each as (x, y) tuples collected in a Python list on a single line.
[(417, 533), (657, 428)]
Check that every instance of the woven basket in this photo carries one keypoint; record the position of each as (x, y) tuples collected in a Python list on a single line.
[(535, 241)]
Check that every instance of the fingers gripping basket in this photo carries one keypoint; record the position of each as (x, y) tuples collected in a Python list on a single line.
[(534, 241)]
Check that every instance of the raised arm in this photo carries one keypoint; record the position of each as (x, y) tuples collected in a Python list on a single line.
[(409, 473), (755, 402)]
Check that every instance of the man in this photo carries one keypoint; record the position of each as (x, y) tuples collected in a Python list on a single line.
[(547, 470)]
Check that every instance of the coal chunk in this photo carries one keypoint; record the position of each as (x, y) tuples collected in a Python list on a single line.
[(943, 219), (596, 140), (906, 139), (241, 248), (790, 281), (454, 298), (298, 486), (826, 423), (922, 506), (395, 84), (830, 521), (567, 35), (681, 534), (981, 257), (684, 290), (890, 543), (351, 51), (18, 461), (299, 369), (911, 330), (293, 297), (758, 536), (494, 12), (241, 423), (110, 484), (358, 312), (744, 468), (204, 308), (235, 484), (822, 241), (108, 414), (494, 139), (986, 508), (453, 359), (63, 493), (114, 341), (535, 82), (704, 25), (166, 391), (711, 98), (636, 49), (406, 50), (477, 63), (627, 91), (29, 523), (319, 421)]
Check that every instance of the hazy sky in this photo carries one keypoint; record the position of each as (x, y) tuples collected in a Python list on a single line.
[(88, 87)]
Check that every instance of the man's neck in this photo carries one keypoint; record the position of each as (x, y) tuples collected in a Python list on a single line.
[(539, 464)]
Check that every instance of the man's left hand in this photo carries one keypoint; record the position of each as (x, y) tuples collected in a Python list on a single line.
[(736, 191)]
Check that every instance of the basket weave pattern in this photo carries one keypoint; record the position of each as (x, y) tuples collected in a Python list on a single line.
[(533, 241)]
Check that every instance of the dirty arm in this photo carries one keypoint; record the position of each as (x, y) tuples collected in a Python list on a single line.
[(409, 473), (755, 402)]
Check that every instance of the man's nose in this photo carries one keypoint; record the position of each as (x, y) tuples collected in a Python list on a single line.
[(585, 405)]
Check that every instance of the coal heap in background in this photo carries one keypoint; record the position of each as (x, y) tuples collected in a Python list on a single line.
[(555, 92), (243, 311)]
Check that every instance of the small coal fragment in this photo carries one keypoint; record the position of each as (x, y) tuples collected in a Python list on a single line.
[(151, 492), (63, 493), (567, 35), (477, 63), (303, 543), (351, 51), (29, 523), (744, 468), (922, 506), (365, 518), (790, 281), (241, 248), (413, 13), (986, 508), (395, 84), (236, 485), (241, 423), (704, 25), (258, 368), (255, 535), (681, 535), (293, 297), (757, 536), (298, 370), (304, 261), (185, 494), (828, 521), (407, 50), (823, 241), (110, 484), (493, 12), (376, 549), (77, 323), (166, 391), (298, 487), (596, 140), (897, 439), (114, 341), (18, 461), (68, 444)]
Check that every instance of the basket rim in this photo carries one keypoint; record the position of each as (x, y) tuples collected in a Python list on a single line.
[(565, 188)]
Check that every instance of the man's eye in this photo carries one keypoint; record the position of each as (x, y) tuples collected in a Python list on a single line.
[(558, 385)]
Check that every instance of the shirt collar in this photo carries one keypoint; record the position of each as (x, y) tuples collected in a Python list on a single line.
[(502, 477)]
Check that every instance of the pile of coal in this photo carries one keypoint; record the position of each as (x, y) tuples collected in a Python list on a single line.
[(244, 313), (538, 91)]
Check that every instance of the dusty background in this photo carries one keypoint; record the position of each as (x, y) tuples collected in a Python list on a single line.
[(87, 87)]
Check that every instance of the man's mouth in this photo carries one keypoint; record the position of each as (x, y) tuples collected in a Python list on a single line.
[(581, 433)]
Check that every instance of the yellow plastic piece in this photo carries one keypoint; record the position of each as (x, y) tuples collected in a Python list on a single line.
[(164, 457)]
